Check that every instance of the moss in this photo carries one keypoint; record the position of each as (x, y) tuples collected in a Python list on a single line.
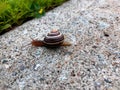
[(16, 12)]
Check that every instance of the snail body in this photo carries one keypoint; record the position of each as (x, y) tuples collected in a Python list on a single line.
[(52, 39)]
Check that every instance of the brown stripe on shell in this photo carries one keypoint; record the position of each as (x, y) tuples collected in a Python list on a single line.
[(53, 39), (55, 43)]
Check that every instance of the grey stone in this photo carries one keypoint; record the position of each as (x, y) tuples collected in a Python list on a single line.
[(90, 63)]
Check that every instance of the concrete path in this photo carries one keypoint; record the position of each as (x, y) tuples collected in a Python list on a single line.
[(91, 63)]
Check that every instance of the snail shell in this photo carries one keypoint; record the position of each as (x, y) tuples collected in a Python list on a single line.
[(54, 38)]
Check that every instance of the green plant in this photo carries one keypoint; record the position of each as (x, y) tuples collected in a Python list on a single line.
[(15, 12)]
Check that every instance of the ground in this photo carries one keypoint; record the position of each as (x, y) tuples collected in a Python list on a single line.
[(92, 62)]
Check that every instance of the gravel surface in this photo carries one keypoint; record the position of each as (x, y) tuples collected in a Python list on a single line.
[(91, 63)]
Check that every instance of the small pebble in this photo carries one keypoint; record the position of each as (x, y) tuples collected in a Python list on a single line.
[(22, 67), (73, 73), (103, 25), (107, 80), (14, 73), (7, 66), (106, 34), (42, 79), (4, 61), (36, 67), (97, 84)]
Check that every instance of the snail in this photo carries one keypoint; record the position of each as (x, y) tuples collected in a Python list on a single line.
[(52, 39)]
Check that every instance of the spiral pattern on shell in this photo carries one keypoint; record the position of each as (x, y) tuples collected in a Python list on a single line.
[(53, 38)]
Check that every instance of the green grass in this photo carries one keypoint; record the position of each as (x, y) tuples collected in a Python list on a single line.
[(16, 12)]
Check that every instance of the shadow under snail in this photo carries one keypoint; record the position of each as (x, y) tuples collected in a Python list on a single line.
[(52, 39)]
